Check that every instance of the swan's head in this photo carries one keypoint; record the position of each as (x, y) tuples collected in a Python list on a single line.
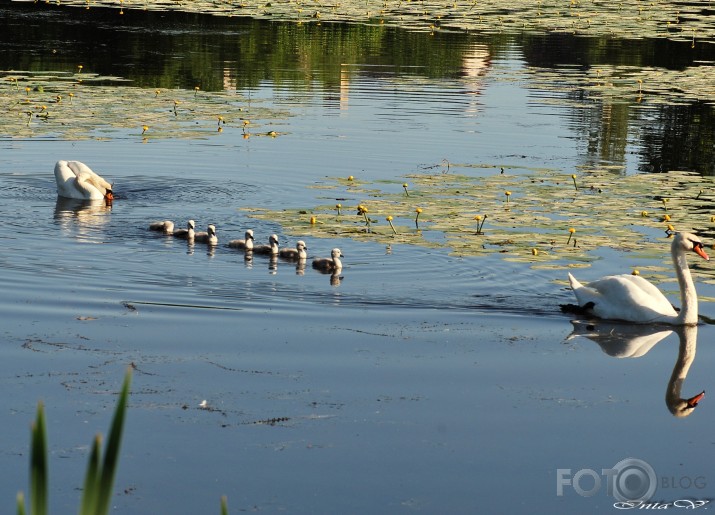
[(688, 242), (211, 230), (273, 239), (300, 245), (249, 235), (685, 407), (191, 224), (336, 253)]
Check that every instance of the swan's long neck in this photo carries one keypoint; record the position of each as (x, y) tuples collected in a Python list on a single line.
[(688, 296), (686, 355)]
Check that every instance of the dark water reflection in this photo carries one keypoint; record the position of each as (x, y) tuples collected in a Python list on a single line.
[(171, 49)]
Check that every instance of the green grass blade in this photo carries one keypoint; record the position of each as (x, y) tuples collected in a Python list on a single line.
[(38, 464), (20, 503), (91, 480), (111, 453), (224, 505)]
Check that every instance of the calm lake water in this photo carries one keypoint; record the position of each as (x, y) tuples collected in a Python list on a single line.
[(418, 381)]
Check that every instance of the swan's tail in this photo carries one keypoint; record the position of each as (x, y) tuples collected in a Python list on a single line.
[(575, 285)]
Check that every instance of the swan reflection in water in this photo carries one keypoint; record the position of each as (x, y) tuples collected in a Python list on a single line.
[(634, 341), (82, 218)]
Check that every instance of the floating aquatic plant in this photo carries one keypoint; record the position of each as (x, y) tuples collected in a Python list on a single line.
[(101, 103), (571, 233), (389, 221), (608, 212), (680, 21)]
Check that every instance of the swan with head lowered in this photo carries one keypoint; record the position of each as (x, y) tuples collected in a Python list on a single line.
[(77, 180), (165, 226), (631, 298)]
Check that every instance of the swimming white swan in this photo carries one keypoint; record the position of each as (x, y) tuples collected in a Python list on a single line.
[(165, 226), (188, 233), (331, 264), (208, 237), (299, 252), (271, 248), (633, 299), (245, 244), (77, 180)]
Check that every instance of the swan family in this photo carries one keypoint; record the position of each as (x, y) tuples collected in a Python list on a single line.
[(76, 180), (628, 298), (332, 265)]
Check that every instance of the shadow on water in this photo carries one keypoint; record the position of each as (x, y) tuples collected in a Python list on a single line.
[(635, 341)]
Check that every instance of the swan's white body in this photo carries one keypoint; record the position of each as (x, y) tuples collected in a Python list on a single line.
[(633, 299), (271, 248), (77, 180), (165, 226), (331, 264), (299, 252), (188, 233), (245, 244), (208, 237)]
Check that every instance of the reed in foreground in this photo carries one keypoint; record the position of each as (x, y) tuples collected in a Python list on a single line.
[(99, 478)]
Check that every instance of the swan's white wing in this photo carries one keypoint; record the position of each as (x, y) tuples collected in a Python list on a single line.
[(624, 297), (66, 173), (66, 179)]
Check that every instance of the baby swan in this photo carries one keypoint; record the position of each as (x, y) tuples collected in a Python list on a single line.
[(296, 254), (208, 237), (165, 226), (246, 244), (188, 233), (331, 264), (271, 248)]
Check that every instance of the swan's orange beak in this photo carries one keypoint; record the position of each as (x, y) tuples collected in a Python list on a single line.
[(698, 249), (693, 401)]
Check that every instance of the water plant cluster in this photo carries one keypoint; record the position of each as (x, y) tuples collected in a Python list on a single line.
[(80, 104), (680, 21), (547, 218), (620, 84)]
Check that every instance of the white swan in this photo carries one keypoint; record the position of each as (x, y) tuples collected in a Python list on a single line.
[(77, 180), (331, 264), (188, 233), (633, 299), (299, 252), (271, 248), (245, 244), (165, 226), (208, 237)]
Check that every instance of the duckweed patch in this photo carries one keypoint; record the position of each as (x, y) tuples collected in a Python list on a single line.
[(85, 105), (544, 220), (629, 19)]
